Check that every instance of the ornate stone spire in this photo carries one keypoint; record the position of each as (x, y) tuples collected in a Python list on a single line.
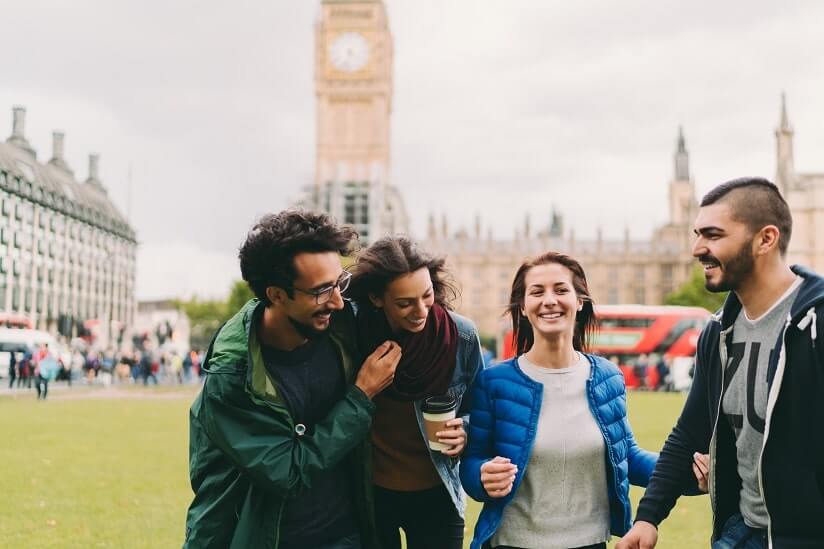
[(682, 158), (784, 157), (785, 120)]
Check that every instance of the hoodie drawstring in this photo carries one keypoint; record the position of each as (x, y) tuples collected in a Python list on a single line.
[(810, 318)]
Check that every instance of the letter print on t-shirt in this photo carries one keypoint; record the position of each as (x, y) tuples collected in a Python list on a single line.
[(737, 353)]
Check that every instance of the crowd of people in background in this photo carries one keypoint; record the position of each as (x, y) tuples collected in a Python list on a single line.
[(35, 369)]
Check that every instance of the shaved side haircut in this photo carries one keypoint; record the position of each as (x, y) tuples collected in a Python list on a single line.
[(757, 203)]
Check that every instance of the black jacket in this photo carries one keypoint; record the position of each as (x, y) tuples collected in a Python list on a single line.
[(792, 458)]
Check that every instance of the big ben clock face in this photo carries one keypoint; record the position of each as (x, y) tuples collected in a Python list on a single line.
[(349, 52)]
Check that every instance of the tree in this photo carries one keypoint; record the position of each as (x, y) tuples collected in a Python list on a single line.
[(694, 293), (238, 296), (205, 316)]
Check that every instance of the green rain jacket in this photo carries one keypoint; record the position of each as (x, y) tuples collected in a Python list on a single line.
[(246, 455)]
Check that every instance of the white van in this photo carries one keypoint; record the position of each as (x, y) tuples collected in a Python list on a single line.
[(21, 340)]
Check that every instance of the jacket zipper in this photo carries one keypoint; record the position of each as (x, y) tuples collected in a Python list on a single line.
[(590, 400), (772, 397), (722, 353)]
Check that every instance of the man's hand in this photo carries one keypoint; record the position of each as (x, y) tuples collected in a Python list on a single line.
[(497, 476), (701, 468), (378, 369), (642, 535), (455, 437)]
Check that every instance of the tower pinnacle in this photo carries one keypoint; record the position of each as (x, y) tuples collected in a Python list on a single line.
[(682, 159)]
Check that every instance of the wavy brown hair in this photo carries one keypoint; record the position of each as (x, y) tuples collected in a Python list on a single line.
[(393, 256), (585, 321)]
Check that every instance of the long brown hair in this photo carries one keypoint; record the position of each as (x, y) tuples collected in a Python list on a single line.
[(585, 321), (393, 256)]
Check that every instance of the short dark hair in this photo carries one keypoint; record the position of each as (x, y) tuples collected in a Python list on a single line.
[(585, 321), (761, 205), (391, 257), (267, 255)]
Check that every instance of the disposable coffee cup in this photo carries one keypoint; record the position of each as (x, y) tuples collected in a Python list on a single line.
[(437, 411)]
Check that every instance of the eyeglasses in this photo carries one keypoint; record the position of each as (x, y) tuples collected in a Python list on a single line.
[(322, 295)]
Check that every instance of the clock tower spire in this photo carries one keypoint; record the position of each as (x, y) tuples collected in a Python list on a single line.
[(353, 91)]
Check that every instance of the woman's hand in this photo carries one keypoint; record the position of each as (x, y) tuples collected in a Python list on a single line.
[(454, 436), (701, 468), (497, 476)]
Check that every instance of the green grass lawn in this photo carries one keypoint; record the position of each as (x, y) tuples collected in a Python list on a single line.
[(94, 472)]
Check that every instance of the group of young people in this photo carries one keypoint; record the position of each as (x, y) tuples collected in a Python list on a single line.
[(309, 431)]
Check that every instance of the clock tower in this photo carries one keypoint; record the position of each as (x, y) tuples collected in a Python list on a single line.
[(353, 89)]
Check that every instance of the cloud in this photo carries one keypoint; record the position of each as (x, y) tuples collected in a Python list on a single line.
[(500, 109), (180, 270)]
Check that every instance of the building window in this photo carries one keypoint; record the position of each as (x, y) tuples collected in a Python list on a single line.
[(666, 278), (612, 296), (640, 296)]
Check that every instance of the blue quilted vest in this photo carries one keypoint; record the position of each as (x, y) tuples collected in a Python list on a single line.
[(506, 405)]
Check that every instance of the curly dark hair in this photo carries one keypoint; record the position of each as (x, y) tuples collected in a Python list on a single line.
[(585, 320), (267, 254), (393, 256)]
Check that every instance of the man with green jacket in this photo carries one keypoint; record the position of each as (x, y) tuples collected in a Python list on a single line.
[(276, 435)]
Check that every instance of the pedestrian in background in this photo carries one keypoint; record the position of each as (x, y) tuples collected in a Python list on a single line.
[(187, 367), (45, 371), (25, 370), (12, 369)]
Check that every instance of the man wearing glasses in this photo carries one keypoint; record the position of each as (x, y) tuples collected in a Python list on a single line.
[(276, 435)]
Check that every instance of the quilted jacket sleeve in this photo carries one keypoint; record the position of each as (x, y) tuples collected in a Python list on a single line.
[(480, 448), (641, 462)]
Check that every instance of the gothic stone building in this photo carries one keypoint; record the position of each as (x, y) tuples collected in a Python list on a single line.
[(620, 270)]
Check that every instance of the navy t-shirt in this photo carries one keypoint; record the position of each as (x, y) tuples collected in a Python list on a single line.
[(310, 379)]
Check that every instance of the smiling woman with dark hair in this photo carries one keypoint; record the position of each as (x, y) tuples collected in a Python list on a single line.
[(551, 453), (403, 294)]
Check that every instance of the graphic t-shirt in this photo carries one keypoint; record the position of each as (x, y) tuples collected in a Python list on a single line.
[(745, 396)]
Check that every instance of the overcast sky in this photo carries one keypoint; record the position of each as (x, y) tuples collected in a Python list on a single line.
[(500, 109)]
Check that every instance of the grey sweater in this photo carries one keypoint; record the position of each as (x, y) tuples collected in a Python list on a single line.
[(562, 500)]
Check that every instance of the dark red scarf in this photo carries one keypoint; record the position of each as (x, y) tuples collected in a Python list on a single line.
[(429, 356)]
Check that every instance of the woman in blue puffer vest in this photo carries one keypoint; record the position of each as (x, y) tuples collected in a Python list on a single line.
[(551, 453)]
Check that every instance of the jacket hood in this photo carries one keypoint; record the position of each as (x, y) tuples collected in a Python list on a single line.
[(810, 295)]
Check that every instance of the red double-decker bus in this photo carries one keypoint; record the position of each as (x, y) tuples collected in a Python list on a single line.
[(628, 332), (8, 320)]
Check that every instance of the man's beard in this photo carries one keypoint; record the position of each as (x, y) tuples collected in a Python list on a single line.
[(733, 272), (306, 330)]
